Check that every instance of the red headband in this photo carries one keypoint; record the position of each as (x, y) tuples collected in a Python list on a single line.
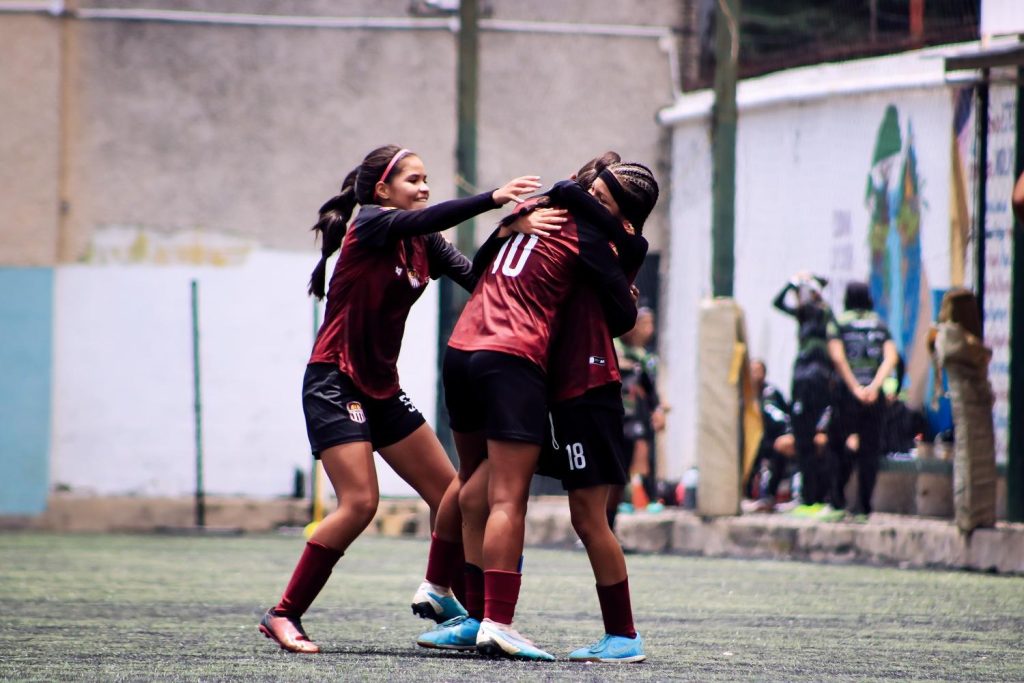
[(391, 164)]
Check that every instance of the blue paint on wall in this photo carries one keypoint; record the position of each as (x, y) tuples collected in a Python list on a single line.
[(26, 375)]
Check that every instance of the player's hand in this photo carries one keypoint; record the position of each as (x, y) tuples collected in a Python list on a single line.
[(635, 293), (514, 189), (540, 222), (869, 394)]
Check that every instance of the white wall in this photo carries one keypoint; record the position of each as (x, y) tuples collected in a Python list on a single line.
[(805, 147), (123, 387)]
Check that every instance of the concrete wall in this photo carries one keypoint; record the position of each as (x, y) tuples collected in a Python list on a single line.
[(806, 176), (146, 153)]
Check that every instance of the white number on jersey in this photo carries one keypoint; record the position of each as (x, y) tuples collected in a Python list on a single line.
[(511, 247)]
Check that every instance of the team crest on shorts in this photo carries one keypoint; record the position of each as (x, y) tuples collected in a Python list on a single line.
[(355, 411)]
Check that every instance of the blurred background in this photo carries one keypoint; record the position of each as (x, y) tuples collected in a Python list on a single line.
[(147, 144)]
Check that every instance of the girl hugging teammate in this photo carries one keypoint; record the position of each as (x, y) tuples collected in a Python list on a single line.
[(497, 392), (351, 396)]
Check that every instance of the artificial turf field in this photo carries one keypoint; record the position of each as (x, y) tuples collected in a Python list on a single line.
[(141, 607)]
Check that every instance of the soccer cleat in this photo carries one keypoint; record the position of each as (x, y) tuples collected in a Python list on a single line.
[(498, 640), (458, 633), (433, 602), (287, 632), (612, 649)]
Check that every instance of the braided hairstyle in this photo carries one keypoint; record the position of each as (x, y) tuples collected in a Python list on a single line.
[(359, 187), (637, 190)]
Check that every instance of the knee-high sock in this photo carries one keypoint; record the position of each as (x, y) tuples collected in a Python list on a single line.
[(474, 602), (308, 579), (501, 593), (445, 564), (616, 609)]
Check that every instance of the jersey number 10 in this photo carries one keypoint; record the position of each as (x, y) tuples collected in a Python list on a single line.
[(506, 258)]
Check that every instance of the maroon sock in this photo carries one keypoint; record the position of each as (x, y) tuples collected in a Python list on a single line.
[(444, 562), (474, 602), (501, 593), (616, 609), (308, 579), (459, 578)]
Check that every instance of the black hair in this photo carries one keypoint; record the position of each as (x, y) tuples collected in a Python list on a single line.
[(637, 191), (589, 171), (357, 188), (858, 297)]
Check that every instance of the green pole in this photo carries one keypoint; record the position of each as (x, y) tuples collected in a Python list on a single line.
[(723, 146), (314, 472), (198, 406), (451, 297), (1015, 449)]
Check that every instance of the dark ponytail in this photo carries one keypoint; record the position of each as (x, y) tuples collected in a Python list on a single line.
[(333, 223), (358, 188)]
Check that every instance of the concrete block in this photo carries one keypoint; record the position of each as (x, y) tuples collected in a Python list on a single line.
[(644, 533)]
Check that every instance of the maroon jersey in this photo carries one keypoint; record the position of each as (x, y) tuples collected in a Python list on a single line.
[(386, 259), (582, 353), (517, 301)]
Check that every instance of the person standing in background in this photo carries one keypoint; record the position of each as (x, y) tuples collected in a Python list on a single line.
[(810, 393), (864, 355)]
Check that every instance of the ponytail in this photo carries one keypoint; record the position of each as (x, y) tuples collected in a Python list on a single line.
[(359, 188), (333, 223)]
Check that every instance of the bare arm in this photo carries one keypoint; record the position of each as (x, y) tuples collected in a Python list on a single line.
[(1017, 199), (890, 357)]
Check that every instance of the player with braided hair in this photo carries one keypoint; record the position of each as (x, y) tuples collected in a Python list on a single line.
[(586, 414)]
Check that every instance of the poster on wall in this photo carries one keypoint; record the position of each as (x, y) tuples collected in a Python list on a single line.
[(998, 231)]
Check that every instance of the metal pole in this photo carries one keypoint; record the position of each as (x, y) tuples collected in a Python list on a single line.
[(723, 141), (200, 497), (451, 297), (981, 197)]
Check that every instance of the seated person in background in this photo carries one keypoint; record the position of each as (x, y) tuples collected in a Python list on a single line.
[(902, 426), (778, 446)]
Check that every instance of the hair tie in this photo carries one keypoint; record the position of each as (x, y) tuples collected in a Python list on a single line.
[(391, 164)]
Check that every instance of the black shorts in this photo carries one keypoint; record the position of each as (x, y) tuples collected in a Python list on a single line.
[(337, 412), (497, 393), (585, 446)]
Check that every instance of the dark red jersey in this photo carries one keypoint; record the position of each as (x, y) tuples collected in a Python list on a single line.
[(386, 259), (582, 353), (515, 306)]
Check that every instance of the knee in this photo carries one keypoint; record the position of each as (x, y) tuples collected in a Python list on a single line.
[(361, 507), (473, 501)]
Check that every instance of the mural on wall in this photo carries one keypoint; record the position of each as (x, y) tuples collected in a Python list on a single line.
[(897, 278), (135, 244)]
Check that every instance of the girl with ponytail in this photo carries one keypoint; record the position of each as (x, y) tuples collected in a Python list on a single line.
[(351, 396)]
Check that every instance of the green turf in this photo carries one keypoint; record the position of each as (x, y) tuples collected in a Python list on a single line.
[(184, 608)]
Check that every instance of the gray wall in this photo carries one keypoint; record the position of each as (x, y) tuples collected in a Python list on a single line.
[(246, 130)]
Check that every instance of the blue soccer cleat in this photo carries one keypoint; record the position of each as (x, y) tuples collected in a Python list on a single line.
[(613, 650), (458, 633), (498, 640), (437, 603)]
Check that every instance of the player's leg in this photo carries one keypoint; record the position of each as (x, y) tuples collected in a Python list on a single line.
[(596, 457), (512, 464), (460, 633), (420, 461), (351, 471)]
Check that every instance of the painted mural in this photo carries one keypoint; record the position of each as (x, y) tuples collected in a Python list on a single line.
[(899, 285)]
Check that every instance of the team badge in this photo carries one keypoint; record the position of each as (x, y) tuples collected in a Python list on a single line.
[(414, 279), (398, 271), (355, 411), (598, 360)]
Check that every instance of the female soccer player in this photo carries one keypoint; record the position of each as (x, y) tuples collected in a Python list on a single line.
[(351, 395), (587, 447), (495, 383)]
